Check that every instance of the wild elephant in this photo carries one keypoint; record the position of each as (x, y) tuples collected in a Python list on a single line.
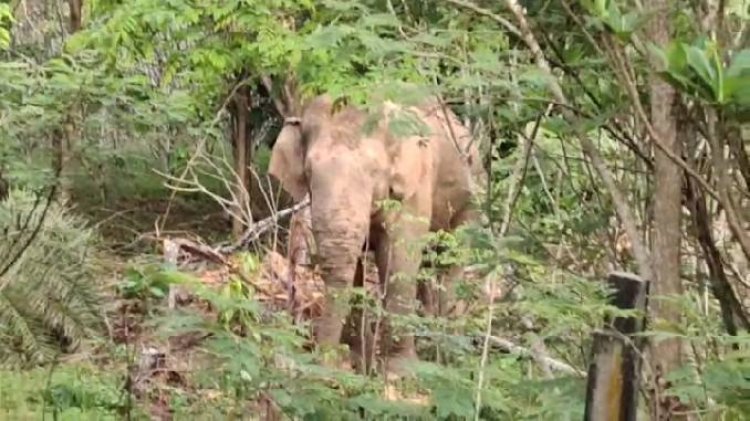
[(348, 170)]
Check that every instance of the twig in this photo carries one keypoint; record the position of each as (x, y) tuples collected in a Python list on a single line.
[(735, 221), (451, 132), (519, 173), (217, 254), (13, 259), (210, 254)]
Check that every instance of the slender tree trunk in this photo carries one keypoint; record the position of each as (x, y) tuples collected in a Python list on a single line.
[(242, 150), (63, 139), (76, 9), (4, 187), (666, 355)]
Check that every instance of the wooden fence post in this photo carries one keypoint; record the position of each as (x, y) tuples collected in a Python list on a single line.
[(614, 373)]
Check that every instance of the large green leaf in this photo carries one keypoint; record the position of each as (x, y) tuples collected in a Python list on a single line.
[(737, 84), (709, 71), (5, 16), (696, 69)]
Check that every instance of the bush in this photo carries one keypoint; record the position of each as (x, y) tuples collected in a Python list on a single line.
[(49, 297)]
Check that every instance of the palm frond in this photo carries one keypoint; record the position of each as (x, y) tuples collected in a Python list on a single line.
[(50, 298)]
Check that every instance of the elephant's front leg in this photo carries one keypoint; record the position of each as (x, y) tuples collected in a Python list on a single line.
[(398, 261), (448, 304), (338, 266)]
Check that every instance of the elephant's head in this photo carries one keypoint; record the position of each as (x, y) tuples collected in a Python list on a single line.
[(327, 155)]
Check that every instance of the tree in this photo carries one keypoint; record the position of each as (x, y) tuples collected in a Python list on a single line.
[(667, 203)]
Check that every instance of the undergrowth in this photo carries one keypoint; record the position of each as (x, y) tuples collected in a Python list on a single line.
[(51, 293)]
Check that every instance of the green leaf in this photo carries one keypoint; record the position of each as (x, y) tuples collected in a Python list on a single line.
[(380, 19), (700, 62), (601, 8), (6, 21), (737, 90), (157, 292), (326, 37), (433, 40), (379, 46), (740, 64)]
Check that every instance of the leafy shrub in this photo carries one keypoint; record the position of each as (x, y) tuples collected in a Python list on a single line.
[(75, 391), (49, 296)]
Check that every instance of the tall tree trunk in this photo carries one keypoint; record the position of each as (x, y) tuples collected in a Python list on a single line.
[(242, 157), (666, 355)]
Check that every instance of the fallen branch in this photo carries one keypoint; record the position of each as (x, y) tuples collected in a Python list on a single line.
[(550, 362), (218, 254), (254, 232)]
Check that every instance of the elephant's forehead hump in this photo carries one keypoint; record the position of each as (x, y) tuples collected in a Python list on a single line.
[(345, 126)]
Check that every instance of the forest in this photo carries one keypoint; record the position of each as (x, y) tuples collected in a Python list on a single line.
[(374, 209)]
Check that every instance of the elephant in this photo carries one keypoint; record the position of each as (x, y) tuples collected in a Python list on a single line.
[(348, 170)]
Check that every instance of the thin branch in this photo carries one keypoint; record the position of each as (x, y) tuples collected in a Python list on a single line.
[(722, 175), (618, 197), (519, 173), (489, 281), (281, 108), (489, 14), (731, 308), (34, 233)]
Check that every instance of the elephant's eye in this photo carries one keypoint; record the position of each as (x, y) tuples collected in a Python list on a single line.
[(395, 194)]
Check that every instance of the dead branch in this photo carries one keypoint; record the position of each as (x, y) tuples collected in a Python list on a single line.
[(720, 168), (550, 362), (201, 145), (254, 232)]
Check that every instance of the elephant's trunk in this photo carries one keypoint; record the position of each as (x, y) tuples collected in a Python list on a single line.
[(340, 219)]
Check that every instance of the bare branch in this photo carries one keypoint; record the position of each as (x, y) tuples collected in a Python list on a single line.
[(552, 363), (618, 197), (488, 13), (519, 173), (260, 227)]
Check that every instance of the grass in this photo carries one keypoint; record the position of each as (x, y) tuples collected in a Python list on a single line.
[(75, 391)]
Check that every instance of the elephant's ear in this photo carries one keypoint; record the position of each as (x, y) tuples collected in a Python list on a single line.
[(288, 160)]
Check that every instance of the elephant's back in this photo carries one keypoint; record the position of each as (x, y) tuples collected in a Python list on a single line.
[(456, 163)]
